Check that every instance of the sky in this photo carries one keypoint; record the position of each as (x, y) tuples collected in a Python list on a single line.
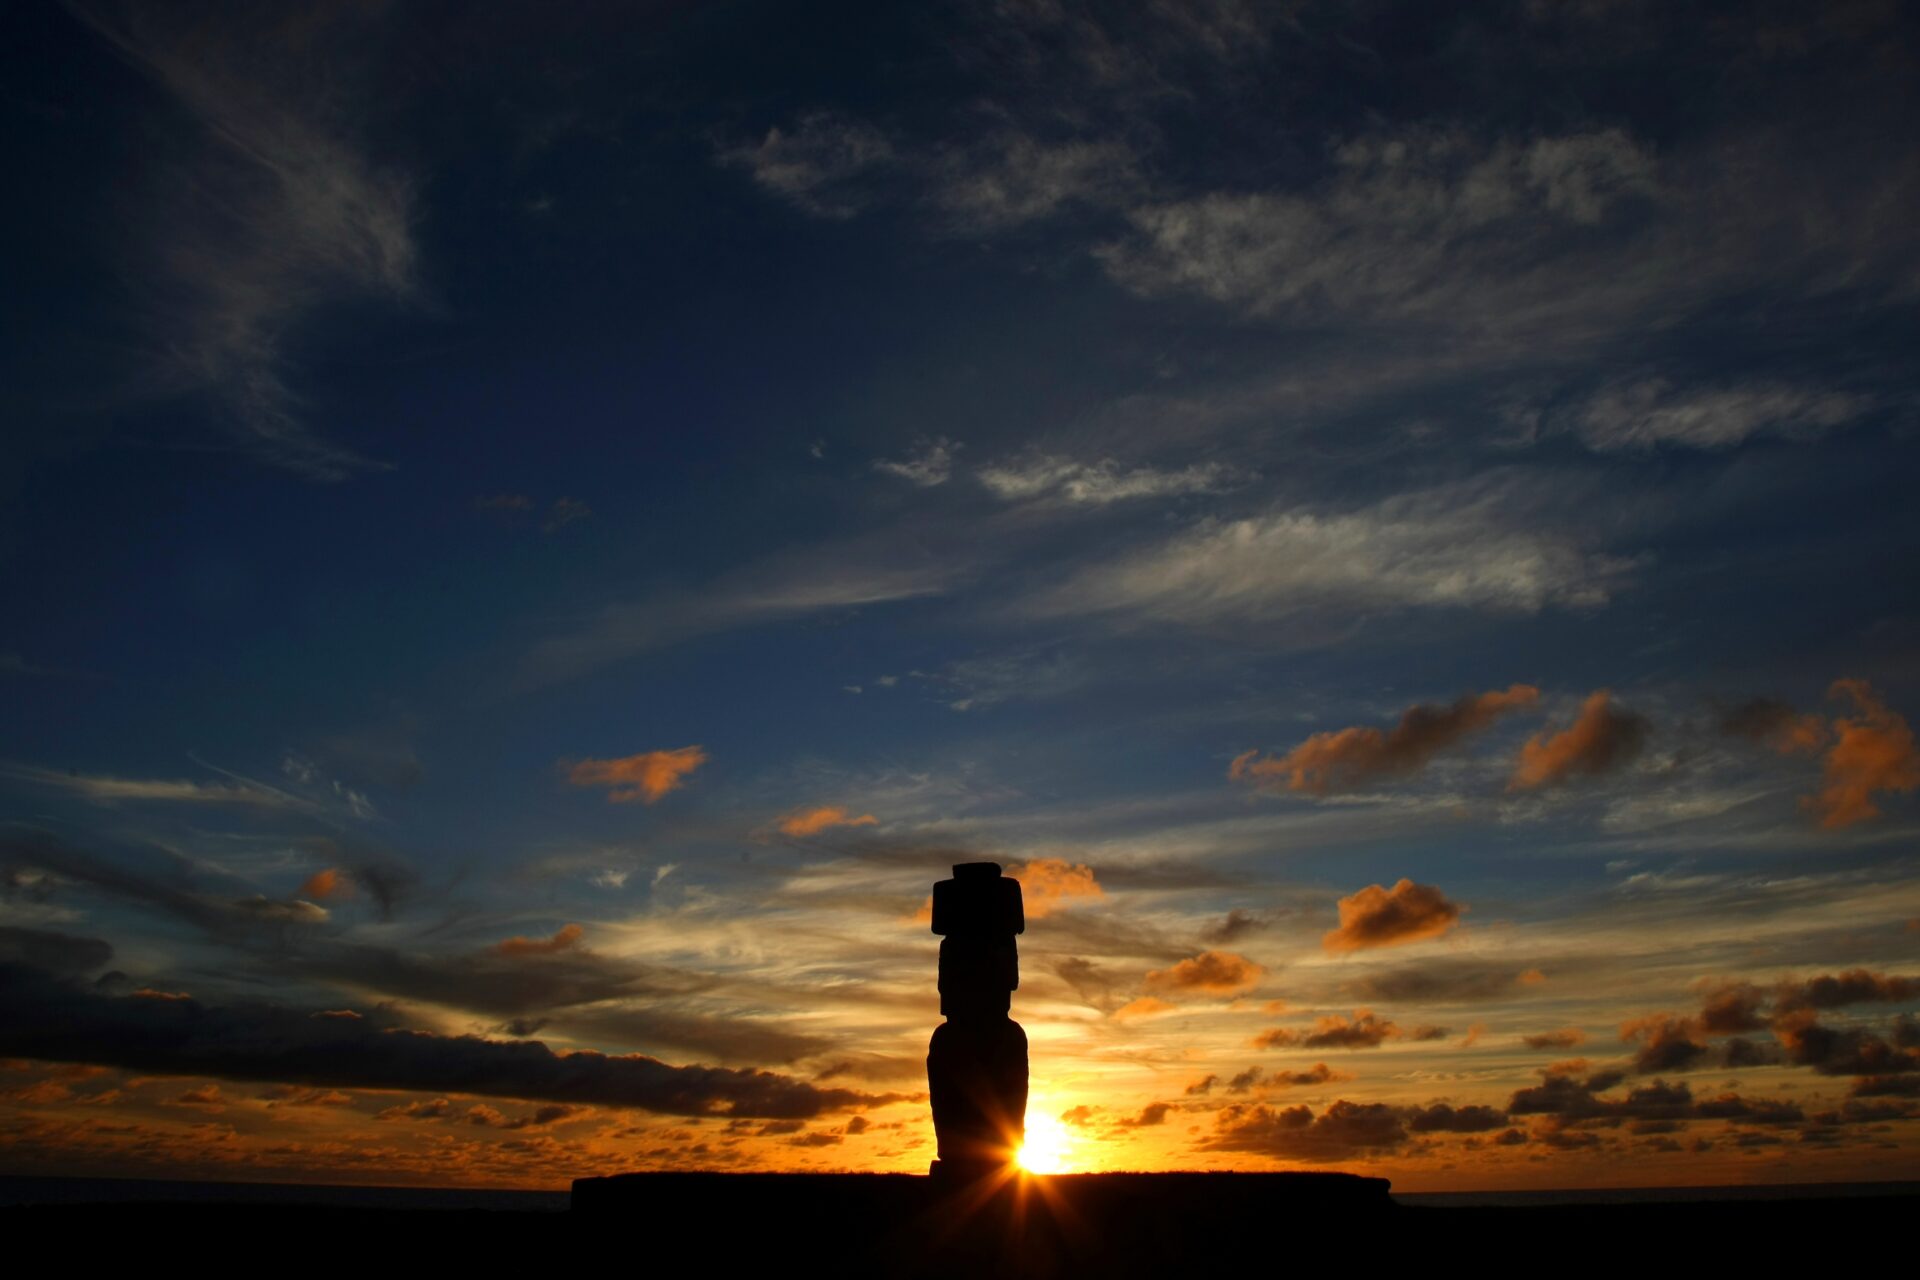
[(531, 535)]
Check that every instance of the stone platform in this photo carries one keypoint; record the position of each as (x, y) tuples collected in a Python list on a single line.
[(1105, 1224)]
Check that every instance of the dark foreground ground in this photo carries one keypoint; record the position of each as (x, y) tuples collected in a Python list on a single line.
[(852, 1225)]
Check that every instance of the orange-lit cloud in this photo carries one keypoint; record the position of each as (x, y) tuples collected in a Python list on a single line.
[(1362, 1031), (1872, 751), (1344, 758), (1046, 883), (645, 777), (293, 1095), (1779, 726), (1600, 740), (1045, 886), (205, 1098), (1209, 973), (1144, 1007), (810, 822), (1666, 1042), (1319, 1073), (1729, 1007), (1153, 1113), (1236, 924), (565, 940), (1565, 1038), (1380, 917), (325, 884), (1837, 990), (1344, 1131), (1848, 1051)]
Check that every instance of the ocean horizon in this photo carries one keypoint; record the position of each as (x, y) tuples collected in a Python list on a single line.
[(27, 1190)]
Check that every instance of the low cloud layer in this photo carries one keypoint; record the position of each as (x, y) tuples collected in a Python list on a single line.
[(45, 1019), (1718, 1034)]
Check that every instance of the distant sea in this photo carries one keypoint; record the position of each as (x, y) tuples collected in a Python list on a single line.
[(1655, 1195), (23, 1191), (19, 1191)]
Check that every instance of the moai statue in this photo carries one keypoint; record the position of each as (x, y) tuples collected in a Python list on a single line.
[(977, 1063)]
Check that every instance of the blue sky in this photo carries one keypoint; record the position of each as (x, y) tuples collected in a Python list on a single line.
[(993, 422)]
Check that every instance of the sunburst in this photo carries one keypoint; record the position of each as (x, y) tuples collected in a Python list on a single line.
[(1048, 1147)]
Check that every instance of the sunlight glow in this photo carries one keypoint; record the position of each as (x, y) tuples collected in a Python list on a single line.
[(1048, 1147)]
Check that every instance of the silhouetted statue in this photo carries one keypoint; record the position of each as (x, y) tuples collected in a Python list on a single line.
[(977, 1063)]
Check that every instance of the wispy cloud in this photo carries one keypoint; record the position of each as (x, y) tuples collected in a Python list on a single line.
[(928, 465), (973, 684), (1011, 178), (823, 163), (277, 214), (1654, 412), (1039, 476), (836, 576), (1414, 222), (1435, 549), (109, 789)]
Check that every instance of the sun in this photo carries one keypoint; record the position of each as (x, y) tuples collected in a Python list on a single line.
[(1048, 1147)]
